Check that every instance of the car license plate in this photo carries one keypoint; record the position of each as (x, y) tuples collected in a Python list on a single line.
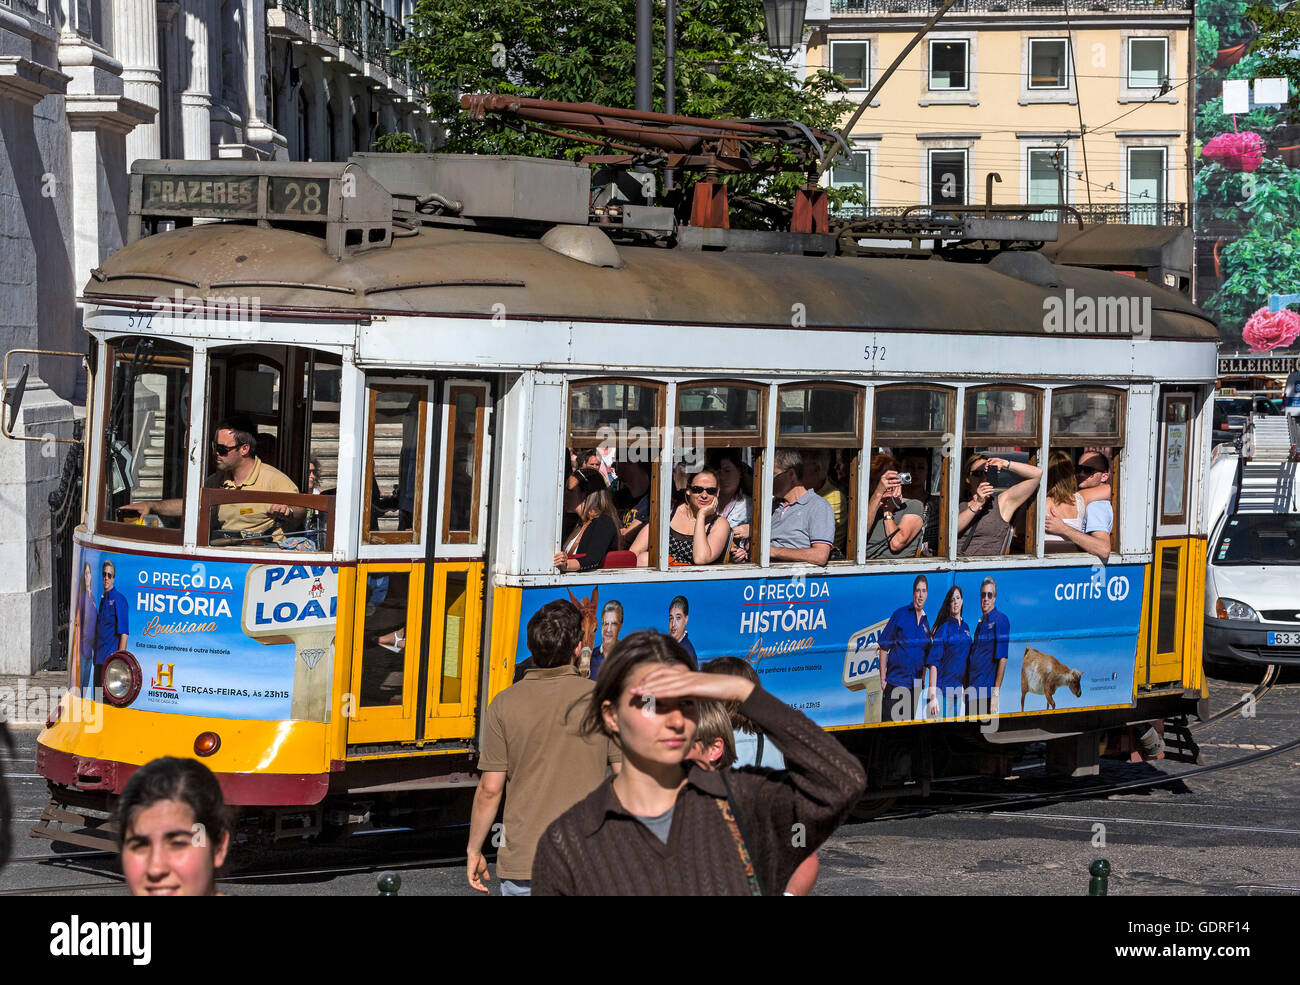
[(1284, 639)]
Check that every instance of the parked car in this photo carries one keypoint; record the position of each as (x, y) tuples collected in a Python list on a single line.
[(1252, 578)]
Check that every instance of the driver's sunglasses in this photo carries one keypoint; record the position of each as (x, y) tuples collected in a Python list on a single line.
[(221, 449), (702, 490)]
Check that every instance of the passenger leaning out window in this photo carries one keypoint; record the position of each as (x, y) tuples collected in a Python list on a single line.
[(593, 530), (1090, 530), (984, 523)]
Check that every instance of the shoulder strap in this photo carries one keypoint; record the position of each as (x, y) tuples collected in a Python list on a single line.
[(738, 836), (758, 756)]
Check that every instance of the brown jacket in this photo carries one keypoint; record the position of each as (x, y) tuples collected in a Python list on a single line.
[(596, 848)]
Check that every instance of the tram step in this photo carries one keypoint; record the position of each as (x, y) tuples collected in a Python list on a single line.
[(96, 832)]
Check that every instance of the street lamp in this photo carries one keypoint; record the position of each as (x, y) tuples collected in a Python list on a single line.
[(784, 22)]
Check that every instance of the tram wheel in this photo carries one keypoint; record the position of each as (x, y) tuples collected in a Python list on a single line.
[(870, 808)]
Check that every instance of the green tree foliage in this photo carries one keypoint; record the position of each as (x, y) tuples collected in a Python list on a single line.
[(399, 143), (1264, 206), (584, 51)]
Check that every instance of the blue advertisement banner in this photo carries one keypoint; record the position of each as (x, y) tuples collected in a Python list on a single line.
[(212, 638), (1068, 635)]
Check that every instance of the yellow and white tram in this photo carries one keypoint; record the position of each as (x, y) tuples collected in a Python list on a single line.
[(434, 370)]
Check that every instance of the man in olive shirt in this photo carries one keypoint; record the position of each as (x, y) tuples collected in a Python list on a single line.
[(532, 752), (235, 450)]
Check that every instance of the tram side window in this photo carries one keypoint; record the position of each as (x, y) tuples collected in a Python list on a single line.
[(610, 475), (824, 423), (1083, 470), (1000, 472), (274, 428), (908, 472), (717, 444), (463, 464), (395, 451), (145, 436)]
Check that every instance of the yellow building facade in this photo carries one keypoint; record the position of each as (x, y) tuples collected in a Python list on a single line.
[(1094, 112)]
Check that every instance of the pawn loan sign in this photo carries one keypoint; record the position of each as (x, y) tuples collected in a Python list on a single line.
[(297, 604)]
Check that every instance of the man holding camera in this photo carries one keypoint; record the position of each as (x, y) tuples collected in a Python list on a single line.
[(896, 522)]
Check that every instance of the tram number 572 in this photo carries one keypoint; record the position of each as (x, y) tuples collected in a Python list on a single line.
[(873, 353), (290, 196)]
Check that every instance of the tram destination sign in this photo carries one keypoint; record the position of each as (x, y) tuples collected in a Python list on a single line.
[(354, 211), (1251, 365), (236, 196)]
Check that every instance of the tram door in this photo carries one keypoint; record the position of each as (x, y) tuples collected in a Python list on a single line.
[(418, 611), (1174, 561)]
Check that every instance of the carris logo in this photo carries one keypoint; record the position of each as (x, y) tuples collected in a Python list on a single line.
[(1117, 588)]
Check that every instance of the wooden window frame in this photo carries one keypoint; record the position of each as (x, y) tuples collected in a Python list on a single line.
[(415, 535), (831, 441), (660, 389), (974, 439), (1113, 440), (719, 438), (918, 439), (133, 531), (1166, 400), (480, 390)]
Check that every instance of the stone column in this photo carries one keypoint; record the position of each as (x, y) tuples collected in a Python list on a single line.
[(258, 130), (135, 39), (196, 100)]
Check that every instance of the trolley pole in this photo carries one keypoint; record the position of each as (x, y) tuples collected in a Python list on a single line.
[(644, 39)]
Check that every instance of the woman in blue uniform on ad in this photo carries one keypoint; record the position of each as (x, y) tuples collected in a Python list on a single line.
[(946, 659)]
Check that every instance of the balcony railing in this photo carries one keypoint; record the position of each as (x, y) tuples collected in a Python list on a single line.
[(1138, 214), (918, 7), (376, 37), (359, 25)]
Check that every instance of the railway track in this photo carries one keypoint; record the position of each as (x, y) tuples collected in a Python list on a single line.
[(1271, 674)]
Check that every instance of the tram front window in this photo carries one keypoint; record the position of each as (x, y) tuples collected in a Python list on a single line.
[(144, 453)]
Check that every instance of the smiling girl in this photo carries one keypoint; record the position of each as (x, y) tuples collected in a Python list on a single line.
[(174, 829)]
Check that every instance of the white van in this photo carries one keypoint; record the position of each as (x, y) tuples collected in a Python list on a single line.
[(1252, 578)]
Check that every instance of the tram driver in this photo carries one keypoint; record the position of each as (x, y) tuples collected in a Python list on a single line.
[(234, 447)]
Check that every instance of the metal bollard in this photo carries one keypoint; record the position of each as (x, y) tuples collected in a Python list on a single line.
[(1100, 870), (388, 883)]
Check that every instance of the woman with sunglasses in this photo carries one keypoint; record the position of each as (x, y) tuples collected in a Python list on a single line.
[(984, 518), (696, 534)]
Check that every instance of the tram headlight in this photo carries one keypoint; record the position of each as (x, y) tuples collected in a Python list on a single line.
[(122, 679), (1232, 609)]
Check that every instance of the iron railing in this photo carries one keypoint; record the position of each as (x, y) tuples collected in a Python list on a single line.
[(1139, 214), (916, 7), (361, 26), (350, 24), (376, 34), (65, 506)]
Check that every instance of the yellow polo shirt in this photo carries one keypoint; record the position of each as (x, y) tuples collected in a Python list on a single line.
[(835, 496), (250, 516)]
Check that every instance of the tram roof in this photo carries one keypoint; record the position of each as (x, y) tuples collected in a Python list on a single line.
[(465, 272)]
